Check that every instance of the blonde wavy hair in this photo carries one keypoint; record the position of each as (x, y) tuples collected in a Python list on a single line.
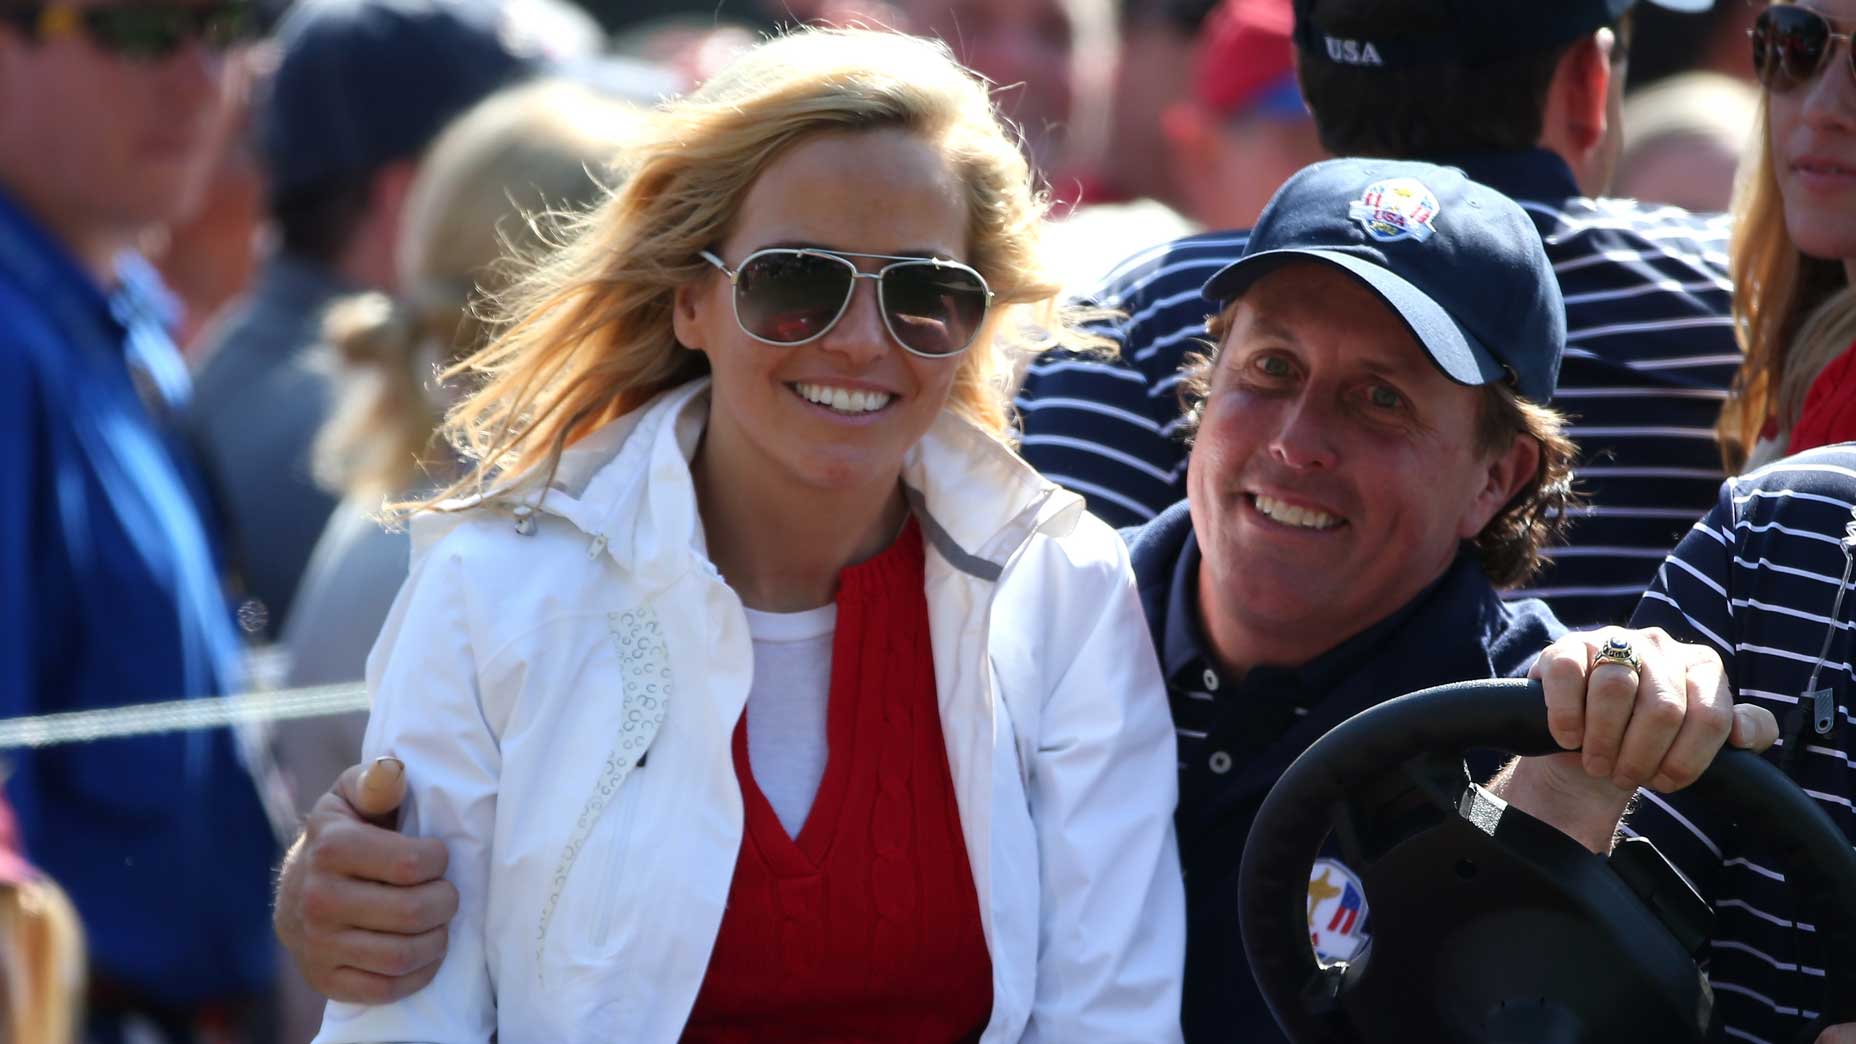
[(588, 334), (1793, 313), (491, 190)]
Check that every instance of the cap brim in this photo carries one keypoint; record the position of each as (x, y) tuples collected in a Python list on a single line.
[(1460, 356)]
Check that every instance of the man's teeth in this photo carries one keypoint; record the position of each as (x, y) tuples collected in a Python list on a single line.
[(1290, 515), (844, 400)]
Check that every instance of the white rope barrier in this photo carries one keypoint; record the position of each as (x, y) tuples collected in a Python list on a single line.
[(145, 719)]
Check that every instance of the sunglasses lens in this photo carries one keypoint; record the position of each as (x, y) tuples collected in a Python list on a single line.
[(933, 309), (790, 297), (1788, 45)]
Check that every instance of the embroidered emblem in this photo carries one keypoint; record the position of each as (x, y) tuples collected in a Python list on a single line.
[(1336, 912), (644, 660), (1395, 209)]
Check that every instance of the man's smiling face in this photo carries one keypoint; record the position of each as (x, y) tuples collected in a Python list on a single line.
[(1336, 470)]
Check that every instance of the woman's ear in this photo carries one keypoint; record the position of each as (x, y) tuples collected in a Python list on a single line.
[(686, 315)]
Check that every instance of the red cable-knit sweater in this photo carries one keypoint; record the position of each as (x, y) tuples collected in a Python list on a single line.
[(865, 927), (1829, 413)]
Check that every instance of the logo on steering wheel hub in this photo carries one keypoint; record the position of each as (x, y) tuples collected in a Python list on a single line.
[(1336, 912)]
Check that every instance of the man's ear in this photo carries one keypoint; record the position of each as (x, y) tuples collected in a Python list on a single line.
[(1577, 116), (1508, 474)]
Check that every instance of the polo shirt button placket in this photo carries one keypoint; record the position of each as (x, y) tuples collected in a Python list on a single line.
[(1211, 680), (1220, 762)]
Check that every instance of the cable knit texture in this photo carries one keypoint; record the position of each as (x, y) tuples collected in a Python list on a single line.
[(865, 927), (1829, 413)]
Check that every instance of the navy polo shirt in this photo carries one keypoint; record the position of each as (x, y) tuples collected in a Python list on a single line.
[(1649, 354), (1236, 737)]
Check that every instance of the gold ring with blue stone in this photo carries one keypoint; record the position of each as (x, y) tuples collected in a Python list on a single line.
[(1618, 651)]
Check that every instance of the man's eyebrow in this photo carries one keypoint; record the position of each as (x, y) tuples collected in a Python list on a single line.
[(1269, 327), (1400, 367)]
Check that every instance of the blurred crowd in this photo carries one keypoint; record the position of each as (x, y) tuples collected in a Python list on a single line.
[(242, 245)]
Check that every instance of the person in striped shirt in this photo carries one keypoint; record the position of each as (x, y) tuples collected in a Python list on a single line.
[(1523, 97), (1762, 580)]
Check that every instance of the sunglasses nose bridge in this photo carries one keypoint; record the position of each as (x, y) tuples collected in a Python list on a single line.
[(1828, 89), (860, 329)]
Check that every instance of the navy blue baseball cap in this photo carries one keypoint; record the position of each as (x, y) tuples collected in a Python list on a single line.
[(361, 83), (1459, 262), (1481, 31)]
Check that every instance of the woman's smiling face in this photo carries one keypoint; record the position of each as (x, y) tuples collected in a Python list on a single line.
[(841, 411), (1812, 135)]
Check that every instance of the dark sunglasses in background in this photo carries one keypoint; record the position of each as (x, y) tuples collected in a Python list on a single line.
[(140, 31), (1792, 44), (791, 295)]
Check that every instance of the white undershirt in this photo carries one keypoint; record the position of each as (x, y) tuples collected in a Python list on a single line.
[(786, 708)]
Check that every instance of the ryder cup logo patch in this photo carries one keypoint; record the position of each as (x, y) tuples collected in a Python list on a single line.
[(1336, 912), (1399, 208)]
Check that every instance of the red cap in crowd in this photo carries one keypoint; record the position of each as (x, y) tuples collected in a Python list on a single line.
[(1246, 57)]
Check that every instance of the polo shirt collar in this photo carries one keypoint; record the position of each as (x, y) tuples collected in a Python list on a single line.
[(1522, 174), (47, 268), (1185, 648)]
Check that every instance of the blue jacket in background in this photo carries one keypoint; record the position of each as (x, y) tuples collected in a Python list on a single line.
[(109, 595)]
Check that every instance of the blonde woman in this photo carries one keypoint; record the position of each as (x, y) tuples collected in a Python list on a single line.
[(755, 688), (494, 186), (1794, 241)]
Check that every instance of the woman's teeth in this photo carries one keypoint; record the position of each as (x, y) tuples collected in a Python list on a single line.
[(844, 400), (1290, 515)]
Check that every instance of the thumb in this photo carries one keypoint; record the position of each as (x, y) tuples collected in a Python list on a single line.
[(1754, 728), (381, 788)]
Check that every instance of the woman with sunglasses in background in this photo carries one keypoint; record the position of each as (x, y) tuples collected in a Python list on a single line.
[(1794, 241), (757, 690)]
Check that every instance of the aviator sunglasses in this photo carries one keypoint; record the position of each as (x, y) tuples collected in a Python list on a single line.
[(1792, 44), (792, 295), (139, 30)]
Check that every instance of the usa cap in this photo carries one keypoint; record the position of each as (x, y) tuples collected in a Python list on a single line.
[(1461, 264), (1481, 31)]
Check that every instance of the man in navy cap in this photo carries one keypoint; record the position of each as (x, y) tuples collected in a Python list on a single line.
[(1526, 97), (1370, 462), (361, 88)]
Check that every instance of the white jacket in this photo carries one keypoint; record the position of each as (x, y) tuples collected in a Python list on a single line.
[(521, 677)]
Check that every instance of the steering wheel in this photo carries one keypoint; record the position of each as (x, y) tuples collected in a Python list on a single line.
[(1490, 926)]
